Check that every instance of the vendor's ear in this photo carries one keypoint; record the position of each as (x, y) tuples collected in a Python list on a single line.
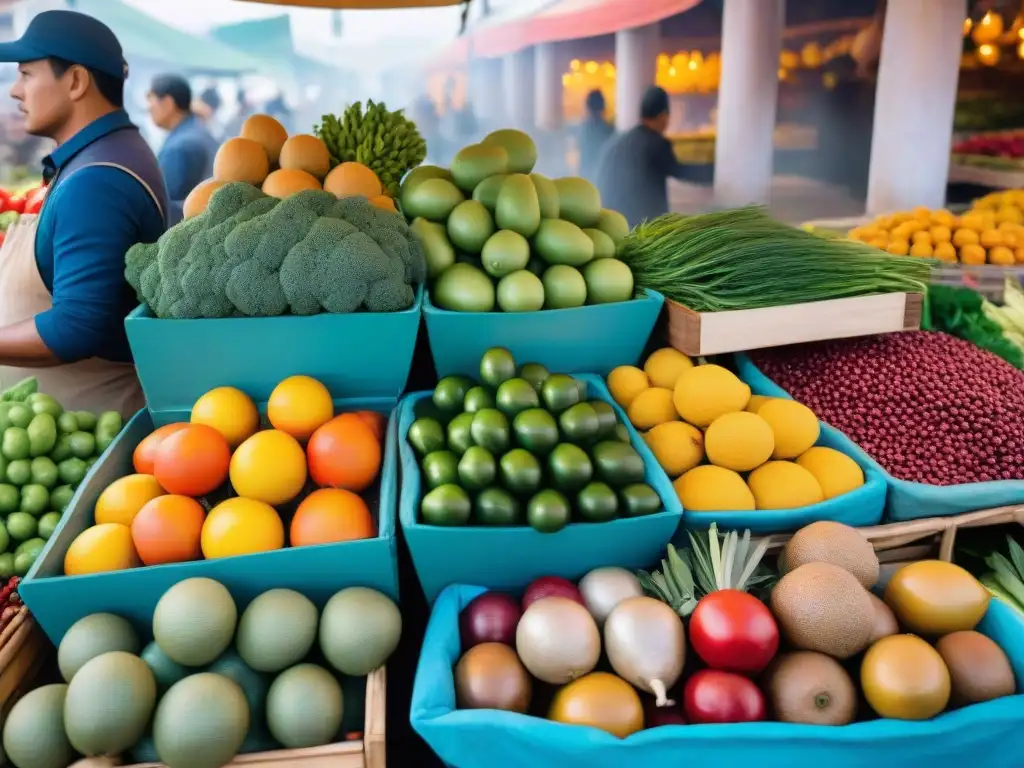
[(79, 81)]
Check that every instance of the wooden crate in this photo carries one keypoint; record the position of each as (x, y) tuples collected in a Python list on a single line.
[(23, 651), (714, 333), (367, 752)]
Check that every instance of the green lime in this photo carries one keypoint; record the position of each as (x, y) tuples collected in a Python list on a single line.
[(67, 423), (83, 445), (477, 468), (62, 449), (640, 499), (450, 393), (497, 366), (42, 403), (10, 498), (16, 444), (520, 471), (570, 467), (439, 468), (477, 399), (460, 437), (42, 434), (21, 526), (72, 471), (515, 396), (497, 507), (580, 423), (19, 472), (448, 505), (32, 546), (426, 436), (559, 392), (23, 563), (536, 430), (44, 472), (7, 565), (87, 420), (20, 415), (548, 511), (606, 418), (535, 373), (490, 429), (596, 503), (48, 524), (582, 386), (60, 497), (622, 433), (5, 419), (5, 539), (35, 499), (618, 464)]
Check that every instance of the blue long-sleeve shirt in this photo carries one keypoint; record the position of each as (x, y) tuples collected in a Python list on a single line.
[(186, 158)]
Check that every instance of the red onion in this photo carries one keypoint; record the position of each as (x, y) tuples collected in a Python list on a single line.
[(489, 618), (551, 586)]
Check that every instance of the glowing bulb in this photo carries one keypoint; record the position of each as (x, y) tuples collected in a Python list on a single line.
[(591, 67), (692, 65), (967, 26), (566, 79), (574, 64), (672, 71), (663, 61), (988, 54), (1020, 50)]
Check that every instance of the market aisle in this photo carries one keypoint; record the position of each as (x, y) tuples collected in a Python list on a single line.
[(794, 199)]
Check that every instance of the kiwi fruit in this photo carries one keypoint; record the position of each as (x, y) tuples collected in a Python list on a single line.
[(822, 607), (811, 688), (827, 541), (978, 668), (885, 623)]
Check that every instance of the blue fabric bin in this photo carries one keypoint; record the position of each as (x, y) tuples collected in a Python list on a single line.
[(363, 354), (58, 601), (590, 339), (905, 500), (510, 558), (985, 735)]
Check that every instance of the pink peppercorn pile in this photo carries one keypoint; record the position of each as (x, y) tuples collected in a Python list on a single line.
[(929, 407)]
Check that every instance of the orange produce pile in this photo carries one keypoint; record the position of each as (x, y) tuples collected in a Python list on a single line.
[(223, 484)]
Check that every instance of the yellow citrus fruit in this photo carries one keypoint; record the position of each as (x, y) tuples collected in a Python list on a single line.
[(299, 405), (121, 501), (241, 526), (708, 488), (739, 441), (835, 472), (101, 548), (705, 392), (784, 485), (756, 401), (664, 366), (270, 467), (678, 446), (625, 383), (228, 410), (652, 407), (795, 426)]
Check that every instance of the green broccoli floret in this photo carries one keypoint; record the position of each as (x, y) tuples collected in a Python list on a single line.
[(172, 252), (312, 269), (139, 256), (229, 200)]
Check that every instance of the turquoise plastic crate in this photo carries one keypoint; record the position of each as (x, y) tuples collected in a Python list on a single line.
[(905, 500), (362, 354), (510, 558), (591, 339), (982, 736), (58, 601)]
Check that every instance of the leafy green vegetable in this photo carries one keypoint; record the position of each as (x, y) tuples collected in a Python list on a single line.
[(21, 391), (960, 312)]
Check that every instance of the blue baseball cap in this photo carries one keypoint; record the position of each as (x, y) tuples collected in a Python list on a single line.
[(74, 37)]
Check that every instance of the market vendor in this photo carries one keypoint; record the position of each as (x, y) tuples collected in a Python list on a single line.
[(63, 296)]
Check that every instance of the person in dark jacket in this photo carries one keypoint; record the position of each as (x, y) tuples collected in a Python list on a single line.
[(636, 165), (186, 158), (594, 132)]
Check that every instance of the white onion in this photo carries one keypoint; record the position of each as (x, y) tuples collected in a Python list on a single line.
[(646, 645), (605, 588), (557, 640)]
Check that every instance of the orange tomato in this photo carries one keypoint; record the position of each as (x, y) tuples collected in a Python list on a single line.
[(121, 501), (145, 452), (344, 453), (168, 529), (298, 405), (270, 467), (378, 422), (329, 515), (193, 461), (240, 527)]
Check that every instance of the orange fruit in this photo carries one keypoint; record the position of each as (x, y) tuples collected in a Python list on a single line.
[(241, 526), (329, 515), (270, 467), (145, 452), (167, 530), (230, 411), (299, 405), (378, 422), (121, 501), (101, 548), (344, 453), (192, 461)]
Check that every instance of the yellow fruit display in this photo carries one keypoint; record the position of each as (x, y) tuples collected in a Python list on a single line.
[(756, 401), (241, 526), (835, 472), (101, 548), (228, 410), (299, 405), (705, 392), (651, 407), (121, 501), (794, 425), (625, 383), (739, 441), (708, 488), (784, 485), (664, 367), (905, 678), (270, 467), (678, 446)]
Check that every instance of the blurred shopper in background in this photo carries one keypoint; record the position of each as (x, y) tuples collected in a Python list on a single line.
[(207, 107), (636, 165), (593, 133), (186, 157), (424, 114), (244, 112)]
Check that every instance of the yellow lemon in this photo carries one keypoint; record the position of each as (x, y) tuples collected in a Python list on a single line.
[(756, 401), (270, 467), (228, 410), (101, 548), (651, 407), (121, 501), (945, 252), (964, 237), (794, 425), (299, 405), (705, 392), (678, 446), (784, 485), (708, 488), (1001, 256), (241, 526), (664, 366), (835, 472), (625, 383), (739, 441)]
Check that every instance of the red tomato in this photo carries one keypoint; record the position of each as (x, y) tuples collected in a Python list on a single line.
[(734, 631), (192, 461), (16, 204), (712, 696), (34, 200)]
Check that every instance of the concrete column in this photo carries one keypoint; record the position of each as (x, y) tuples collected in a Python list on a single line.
[(636, 63), (548, 87), (747, 98), (486, 89), (518, 85), (914, 102)]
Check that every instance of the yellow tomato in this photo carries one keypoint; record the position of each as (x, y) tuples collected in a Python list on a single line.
[(121, 501), (241, 526), (228, 410), (299, 405), (101, 548), (270, 467)]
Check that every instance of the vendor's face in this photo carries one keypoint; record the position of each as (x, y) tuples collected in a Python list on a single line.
[(45, 99), (161, 110)]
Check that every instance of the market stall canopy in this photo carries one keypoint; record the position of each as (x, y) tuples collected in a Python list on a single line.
[(366, 5)]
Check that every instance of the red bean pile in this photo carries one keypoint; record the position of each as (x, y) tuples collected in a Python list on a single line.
[(929, 407)]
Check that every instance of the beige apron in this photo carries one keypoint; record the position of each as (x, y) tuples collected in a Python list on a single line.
[(93, 384)]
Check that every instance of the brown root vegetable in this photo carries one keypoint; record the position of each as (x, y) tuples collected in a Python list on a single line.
[(811, 688), (490, 676), (557, 640), (646, 645), (978, 668)]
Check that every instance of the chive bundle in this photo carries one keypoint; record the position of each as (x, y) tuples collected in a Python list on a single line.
[(744, 259)]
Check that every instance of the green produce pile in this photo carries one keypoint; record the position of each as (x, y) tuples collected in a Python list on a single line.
[(250, 255), (744, 259), (521, 241), (214, 682), (962, 312), (1010, 316), (386, 142), (525, 446), (45, 453)]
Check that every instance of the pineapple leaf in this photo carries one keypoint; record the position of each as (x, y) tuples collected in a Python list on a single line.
[(751, 564), (715, 548), (680, 571), (1016, 556)]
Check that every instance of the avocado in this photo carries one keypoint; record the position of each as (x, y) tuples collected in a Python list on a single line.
[(613, 224), (460, 437), (109, 702), (520, 471), (536, 430), (304, 707), (433, 199), (548, 511), (597, 503), (570, 467), (562, 242), (478, 398), (437, 249), (92, 636), (464, 288), (486, 191), (422, 173), (518, 206), (470, 225), (547, 193), (535, 373), (522, 152), (426, 436), (560, 391), (194, 621), (440, 468), (497, 365), (640, 499), (359, 630), (446, 505), (253, 684), (505, 252), (578, 201), (496, 507), (276, 630), (477, 468), (604, 246), (474, 163), (618, 464), (491, 430), (515, 396), (33, 734), (564, 287), (450, 394), (579, 423)]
